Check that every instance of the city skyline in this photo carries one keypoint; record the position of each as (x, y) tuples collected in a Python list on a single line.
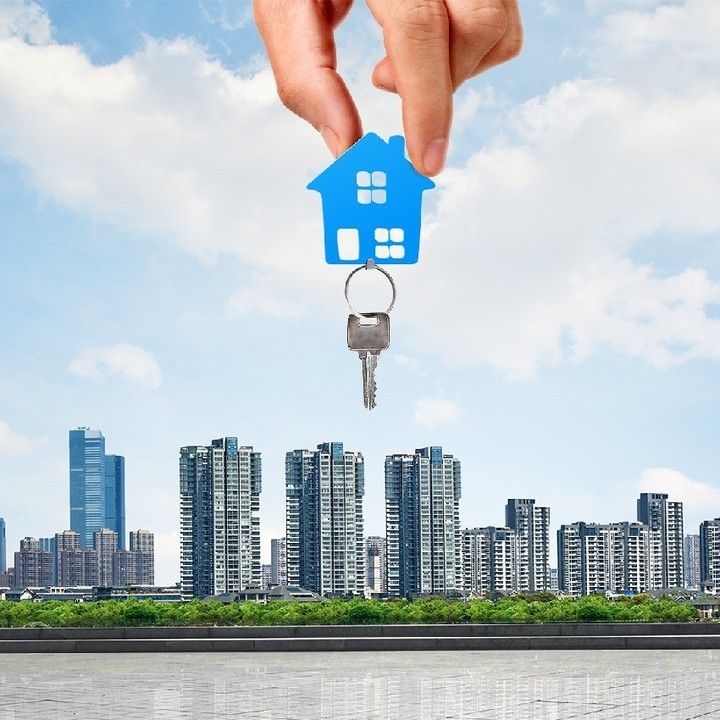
[(189, 297), (220, 486), (548, 549)]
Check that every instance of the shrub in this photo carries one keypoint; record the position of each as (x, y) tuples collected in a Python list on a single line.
[(536, 608)]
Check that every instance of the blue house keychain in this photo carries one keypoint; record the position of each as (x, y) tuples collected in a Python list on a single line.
[(372, 201)]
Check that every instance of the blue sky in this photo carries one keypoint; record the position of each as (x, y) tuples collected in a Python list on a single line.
[(162, 274)]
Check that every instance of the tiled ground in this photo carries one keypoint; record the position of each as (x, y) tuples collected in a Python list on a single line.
[(602, 685)]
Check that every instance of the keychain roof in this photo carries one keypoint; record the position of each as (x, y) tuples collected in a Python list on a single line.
[(372, 202)]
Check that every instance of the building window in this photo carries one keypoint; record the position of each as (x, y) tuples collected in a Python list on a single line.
[(389, 243), (371, 187)]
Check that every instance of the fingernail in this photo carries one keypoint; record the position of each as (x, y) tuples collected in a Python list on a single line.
[(383, 86), (330, 138), (434, 156)]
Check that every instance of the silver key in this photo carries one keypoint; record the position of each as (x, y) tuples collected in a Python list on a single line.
[(368, 336)]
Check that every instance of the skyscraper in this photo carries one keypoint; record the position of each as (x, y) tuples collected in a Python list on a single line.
[(33, 566), (97, 487), (115, 496), (278, 562), (490, 560), (531, 524), (710, 552), (692, 561), (422, 520), (665, 520), (375, 552), (106, 545), (3, 546), (324, 491), (220, 487)]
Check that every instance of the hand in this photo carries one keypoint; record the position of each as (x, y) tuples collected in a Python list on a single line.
[(432, 47)]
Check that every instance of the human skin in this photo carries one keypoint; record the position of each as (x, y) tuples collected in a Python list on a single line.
[(431, 48)]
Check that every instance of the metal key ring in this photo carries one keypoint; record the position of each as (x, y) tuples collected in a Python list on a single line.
[(369, 265)]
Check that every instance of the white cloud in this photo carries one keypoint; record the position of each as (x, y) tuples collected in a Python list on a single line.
[(701, 501), (13, 444), (135, 364), (526, 260), (431, 412), (24, 20)]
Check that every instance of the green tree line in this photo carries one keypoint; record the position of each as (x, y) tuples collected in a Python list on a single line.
[(538, 609)]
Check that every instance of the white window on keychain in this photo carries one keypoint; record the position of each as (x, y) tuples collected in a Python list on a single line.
[(371, 187)]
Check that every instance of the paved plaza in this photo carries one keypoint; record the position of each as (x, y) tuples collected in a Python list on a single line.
[(549, 685)]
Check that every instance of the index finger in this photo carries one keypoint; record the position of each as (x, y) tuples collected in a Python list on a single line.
[(417, 41), (299, 40)]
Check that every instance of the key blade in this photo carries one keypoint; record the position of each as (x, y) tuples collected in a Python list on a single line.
[(364, 367), (371, 384)]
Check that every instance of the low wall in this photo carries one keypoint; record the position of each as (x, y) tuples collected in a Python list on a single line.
[(564, 636)]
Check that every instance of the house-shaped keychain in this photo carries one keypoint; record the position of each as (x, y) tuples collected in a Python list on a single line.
[(372, 199)]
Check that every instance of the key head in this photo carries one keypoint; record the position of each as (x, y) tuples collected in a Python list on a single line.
[(368, 335)]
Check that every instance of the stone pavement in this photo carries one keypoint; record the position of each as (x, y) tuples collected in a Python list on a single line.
[(548, 685)]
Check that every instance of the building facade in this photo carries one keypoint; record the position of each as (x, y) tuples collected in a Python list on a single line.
[(220, 486), (490, 560), (278, 562), (531, 524), (142, 542), (375, 557), (693, 575), (33, 566), (324, 491), (422, 522), (115, 497), (105, 544), (97, 487), (77, 567), (665, 519), (710, 552), (598, 558)]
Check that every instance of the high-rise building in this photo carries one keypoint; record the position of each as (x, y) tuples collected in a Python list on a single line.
[(78, 567), (422, 520), (220, 487), (490, 560), (554, 586), (97, 487), (710, 553), (692, 562), (106, 545), (324, 491), (142, 542), (531, 524), (3, 546), (665, 520), (66, 540), (266, 573), (33, 566), (375, 551), (585, 552), (597, 558), (278, 562), (631, 557), (115, 496)]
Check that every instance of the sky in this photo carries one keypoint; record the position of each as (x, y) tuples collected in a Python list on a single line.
[(162, 274)]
